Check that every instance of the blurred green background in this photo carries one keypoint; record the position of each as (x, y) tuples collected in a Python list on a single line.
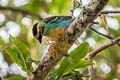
[(18, 24)]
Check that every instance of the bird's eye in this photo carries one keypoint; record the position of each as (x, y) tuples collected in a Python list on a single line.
[(34, 30)]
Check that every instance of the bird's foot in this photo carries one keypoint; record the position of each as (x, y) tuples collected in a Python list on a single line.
[(49, 41), (66, 55)]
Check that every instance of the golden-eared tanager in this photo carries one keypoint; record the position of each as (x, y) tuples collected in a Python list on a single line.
[(43, 28)]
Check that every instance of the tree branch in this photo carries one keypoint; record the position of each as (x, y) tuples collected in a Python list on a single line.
[(94, 53), (21, 11), (85, 18), (65, 41), (105, 23), (110, 11), (109, 37), (72, 8), (109, 44)]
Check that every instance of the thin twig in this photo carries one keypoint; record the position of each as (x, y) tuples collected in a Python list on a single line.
[(72, 8), (94, 53), (109, 37), (95, 22), (110, 11), (106, 25), (90, 69), (111, 43), (21, 11)]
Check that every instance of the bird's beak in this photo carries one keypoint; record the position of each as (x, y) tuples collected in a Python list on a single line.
[(40, 37)]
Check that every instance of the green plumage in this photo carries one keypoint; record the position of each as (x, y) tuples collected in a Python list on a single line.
[(51, 23), (55, 22)]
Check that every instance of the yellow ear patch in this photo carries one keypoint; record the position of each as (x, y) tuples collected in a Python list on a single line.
[(40, 29)]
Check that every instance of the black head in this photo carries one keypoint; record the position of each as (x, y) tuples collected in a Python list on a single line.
[(34, 29), (36, 33)]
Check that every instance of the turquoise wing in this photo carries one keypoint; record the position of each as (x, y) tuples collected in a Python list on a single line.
[(56, 22)]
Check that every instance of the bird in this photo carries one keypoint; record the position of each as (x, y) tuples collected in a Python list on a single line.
[(50, 23)]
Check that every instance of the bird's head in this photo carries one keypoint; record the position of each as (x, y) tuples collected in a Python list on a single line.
[(37, 31)]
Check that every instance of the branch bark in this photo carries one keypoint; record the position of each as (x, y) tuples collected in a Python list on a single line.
[(110, 11), (79, 25), (85, 18), (72, 8), (95, 52), (109, 37), (105, 23)]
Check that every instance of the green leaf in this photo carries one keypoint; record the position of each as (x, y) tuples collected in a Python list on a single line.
[(15, 78), (17, 57), (20, 54), (2, 42), (13, 55), (52, 77), (76, 55), (64, 66), (21, 58), (84, 63), (79, 52), (23, 48)]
